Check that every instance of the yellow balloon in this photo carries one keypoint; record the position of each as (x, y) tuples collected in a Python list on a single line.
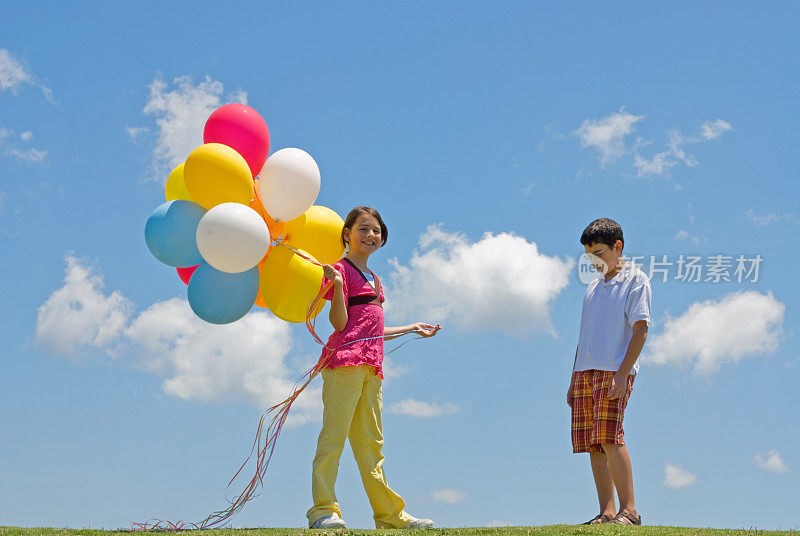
[(215, 173), (289, 283), (176, 187), (318, 231)]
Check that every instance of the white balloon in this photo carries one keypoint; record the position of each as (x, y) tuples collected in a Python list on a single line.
[(288, 184), (232, 237)]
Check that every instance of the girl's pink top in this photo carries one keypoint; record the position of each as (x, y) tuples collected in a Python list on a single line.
[(363, 321)]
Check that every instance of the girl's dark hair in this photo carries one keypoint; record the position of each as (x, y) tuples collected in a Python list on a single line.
[(602, 231), (350, 221)]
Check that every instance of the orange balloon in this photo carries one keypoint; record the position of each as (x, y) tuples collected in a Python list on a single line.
[(260, 299), (275, 228)]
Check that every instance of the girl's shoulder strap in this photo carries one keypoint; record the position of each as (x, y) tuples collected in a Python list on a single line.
[(356, 268), (377, 287)]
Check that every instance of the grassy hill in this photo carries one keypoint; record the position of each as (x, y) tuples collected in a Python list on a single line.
[(553, 530)]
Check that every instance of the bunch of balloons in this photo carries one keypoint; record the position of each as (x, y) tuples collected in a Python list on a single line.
[(229, 213)]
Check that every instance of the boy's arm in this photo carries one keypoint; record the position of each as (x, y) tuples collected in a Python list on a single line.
[(569, 390), (619, 382)]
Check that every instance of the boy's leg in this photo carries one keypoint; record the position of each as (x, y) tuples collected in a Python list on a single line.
[(341, 390), (619, 465), (604, 482), (608, 434), (366, 439), (582, 404)]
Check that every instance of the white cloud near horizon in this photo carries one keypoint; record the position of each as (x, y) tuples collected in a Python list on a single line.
[(416, 408), (448, 496), (180, 112), (713, 333), (607, 135), (676, 477), (244, 360), (500, 282), (772, 462)]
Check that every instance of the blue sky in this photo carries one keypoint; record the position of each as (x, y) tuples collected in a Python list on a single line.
[(488, 137)]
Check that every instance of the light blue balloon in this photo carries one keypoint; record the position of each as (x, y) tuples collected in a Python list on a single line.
[(221, 298), (170, 233)]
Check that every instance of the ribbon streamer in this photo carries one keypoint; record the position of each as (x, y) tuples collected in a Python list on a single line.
[(269, 437)]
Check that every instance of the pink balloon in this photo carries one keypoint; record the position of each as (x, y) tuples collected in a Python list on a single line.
[(241, 128), (186, 273)]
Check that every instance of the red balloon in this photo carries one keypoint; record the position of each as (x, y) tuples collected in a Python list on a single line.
[(186, 273), (241, 128)]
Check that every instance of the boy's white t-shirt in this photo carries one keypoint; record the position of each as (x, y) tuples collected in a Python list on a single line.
[(610, 309)]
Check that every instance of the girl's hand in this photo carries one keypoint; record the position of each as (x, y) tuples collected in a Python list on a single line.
[(332, 273), (425, 330)]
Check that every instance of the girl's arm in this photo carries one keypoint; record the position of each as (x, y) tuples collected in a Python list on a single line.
[(338, 313), (420, 328)]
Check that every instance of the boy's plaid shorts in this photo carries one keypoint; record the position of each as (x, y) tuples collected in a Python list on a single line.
[(595, 418)]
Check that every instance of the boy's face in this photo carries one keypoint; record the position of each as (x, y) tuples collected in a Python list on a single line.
[(605, 259)]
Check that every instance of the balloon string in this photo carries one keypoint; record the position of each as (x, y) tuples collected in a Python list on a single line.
[(263, 452)]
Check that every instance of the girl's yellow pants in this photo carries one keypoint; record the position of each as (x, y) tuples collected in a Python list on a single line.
[(352, 402)]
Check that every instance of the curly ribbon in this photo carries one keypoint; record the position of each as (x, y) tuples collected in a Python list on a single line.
[(269, 437)]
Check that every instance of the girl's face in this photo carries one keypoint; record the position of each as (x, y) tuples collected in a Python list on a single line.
[(365, 235)]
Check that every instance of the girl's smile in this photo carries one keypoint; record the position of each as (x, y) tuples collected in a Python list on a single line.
[(365, 235)]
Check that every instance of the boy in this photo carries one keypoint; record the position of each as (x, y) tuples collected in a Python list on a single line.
[(614, 321)]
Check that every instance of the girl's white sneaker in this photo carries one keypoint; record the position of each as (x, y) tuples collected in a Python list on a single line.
[(419, 523), (329, 522)]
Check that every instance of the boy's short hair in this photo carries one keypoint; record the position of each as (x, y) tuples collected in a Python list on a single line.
[(602, 231)]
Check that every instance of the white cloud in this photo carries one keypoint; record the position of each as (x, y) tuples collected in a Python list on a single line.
[(772, 462), (134, 132), (676, 477), (500, 282), (79, 313), (243, 360), (392, 369), (181, 114), (684, 236), (675, 154), (710, 131), (8, 141), (416, 408), (712, 333), (12, 73), (449, 496), (607, 135), (658, 165), (770, 218), (498, 523), (29, 155)]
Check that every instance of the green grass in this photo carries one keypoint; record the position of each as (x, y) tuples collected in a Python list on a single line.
[(552, 530)]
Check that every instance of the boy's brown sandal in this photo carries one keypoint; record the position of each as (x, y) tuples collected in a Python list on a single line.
[(626, 518), (598, 520)]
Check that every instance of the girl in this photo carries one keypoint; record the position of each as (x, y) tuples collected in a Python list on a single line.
[(351, 390)]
